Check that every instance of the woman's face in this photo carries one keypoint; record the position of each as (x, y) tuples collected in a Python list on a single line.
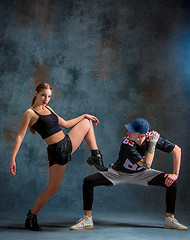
[(43, 97)]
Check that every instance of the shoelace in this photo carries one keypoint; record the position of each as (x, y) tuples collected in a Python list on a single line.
[(174, 220), (33, 221), (81, 220), (101, 162)]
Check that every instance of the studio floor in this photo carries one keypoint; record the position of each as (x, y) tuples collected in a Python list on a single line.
[(122, 226)]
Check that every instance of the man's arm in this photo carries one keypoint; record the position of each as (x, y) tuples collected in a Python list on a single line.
[(170, 178), (176, 159), (147, 161)]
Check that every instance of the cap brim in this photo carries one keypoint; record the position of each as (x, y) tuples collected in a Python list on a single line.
[(130, 128)]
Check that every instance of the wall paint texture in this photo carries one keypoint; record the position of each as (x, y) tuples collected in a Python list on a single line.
[(116, 59)]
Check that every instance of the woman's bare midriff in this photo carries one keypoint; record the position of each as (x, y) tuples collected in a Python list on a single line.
[(55, 138)]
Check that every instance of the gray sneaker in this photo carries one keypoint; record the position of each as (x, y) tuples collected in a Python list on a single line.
[(84, 223), (172, 223)]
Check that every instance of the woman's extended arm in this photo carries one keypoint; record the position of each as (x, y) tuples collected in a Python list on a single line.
[(70, 123), (20, 136), (74, 121)]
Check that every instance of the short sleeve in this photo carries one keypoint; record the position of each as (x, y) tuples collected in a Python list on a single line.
[(165, 145)]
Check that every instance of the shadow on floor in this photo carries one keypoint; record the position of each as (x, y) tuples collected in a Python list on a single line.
[(67, 224)]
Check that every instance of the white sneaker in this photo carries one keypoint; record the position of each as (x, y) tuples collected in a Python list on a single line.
[(172, 223), (83, 223)]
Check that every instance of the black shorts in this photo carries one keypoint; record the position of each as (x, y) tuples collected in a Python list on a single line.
[(60, 152)]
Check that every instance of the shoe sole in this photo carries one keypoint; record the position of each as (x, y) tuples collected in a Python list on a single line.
[(83, 228), (175, 228), (33, 230)]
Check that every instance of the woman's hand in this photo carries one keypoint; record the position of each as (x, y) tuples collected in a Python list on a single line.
[(170, 179), (12, 167), (93, 118)]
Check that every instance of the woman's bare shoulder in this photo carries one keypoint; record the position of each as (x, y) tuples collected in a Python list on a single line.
[(29, 113)]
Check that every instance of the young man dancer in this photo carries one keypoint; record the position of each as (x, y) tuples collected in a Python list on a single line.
[(134, 166)]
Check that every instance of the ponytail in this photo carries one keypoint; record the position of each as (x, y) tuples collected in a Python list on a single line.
[(33, 100)]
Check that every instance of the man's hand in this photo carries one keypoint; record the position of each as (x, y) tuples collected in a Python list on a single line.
[(170, 179), (154, 136)]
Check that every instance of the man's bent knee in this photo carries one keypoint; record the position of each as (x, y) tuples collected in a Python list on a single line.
[(174, 185), (87, 181)]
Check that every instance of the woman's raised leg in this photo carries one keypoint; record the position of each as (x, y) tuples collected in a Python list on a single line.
[(85, 130)]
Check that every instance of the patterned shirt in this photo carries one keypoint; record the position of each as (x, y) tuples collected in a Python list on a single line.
[(131, 153)]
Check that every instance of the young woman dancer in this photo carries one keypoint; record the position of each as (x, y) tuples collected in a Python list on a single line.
[(42, 119)]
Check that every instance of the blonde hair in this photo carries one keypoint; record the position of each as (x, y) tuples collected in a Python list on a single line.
[(39, 88)]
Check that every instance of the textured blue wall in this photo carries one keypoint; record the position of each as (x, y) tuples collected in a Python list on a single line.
[(115, 59)]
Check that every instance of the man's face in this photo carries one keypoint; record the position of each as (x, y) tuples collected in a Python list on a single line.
[(135, 136)]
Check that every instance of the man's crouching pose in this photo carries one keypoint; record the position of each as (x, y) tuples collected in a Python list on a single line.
[(134, 166)]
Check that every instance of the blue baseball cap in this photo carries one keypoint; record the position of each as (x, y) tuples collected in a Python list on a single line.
[(138, 125)]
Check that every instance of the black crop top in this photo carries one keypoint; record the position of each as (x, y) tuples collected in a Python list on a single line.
[(46, 125)]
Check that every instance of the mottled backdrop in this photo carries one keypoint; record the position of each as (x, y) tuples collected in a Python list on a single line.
[(116, 59)]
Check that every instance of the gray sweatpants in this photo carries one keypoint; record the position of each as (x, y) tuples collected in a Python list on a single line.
[(140, 178)]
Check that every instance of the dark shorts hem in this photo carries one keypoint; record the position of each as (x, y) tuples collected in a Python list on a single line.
[(60, 152)]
